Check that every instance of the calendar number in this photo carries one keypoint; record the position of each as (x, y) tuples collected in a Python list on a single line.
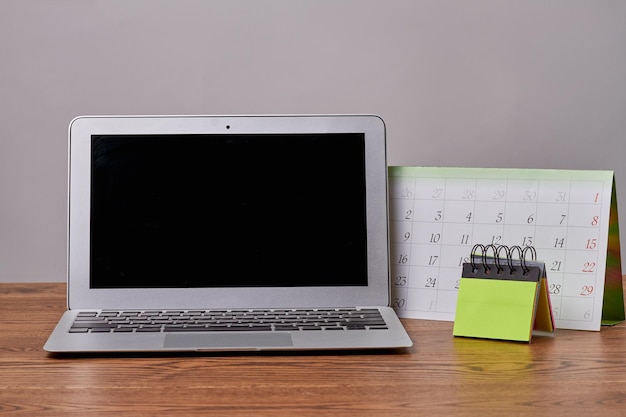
[(467, 195), (555, 289), (586, 290), (591, 244), (556, 266), (399, 303), (530, 195), (498, 195), (400, 281), (589, 267)]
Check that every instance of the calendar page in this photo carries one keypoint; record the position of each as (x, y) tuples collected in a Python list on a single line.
[(438, 214)]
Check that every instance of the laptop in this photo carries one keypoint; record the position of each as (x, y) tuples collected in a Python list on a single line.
[(227, 233)]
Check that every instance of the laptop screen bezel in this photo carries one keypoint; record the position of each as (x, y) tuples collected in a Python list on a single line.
[(82, 296)]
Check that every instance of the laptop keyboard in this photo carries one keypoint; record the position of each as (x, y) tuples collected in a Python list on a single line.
[(339, 319)]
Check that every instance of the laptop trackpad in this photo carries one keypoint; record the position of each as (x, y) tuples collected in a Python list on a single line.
[(221, 340)]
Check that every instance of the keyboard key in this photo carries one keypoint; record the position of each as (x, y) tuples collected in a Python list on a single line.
[(92, 324), (79, 330), (148, 329), (100, 330)]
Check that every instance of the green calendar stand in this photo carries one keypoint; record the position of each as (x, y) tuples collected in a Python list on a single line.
[(613, 298), (503, 298)]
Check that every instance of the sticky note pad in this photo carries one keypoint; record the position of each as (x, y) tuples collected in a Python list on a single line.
[(495, 309), (503, 298)]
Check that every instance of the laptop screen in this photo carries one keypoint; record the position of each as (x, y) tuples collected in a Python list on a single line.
[(228, 210)]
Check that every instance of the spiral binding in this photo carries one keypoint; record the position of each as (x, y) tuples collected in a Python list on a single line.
[(497, 249)]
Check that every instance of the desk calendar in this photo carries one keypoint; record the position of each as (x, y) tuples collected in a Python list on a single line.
[(569, 216)]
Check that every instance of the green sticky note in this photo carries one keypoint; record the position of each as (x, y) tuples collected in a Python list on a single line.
[(496, 309)]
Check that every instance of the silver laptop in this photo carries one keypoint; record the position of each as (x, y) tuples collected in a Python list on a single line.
[(227, 233)]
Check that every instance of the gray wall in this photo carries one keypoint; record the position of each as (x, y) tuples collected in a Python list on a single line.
[(532, 84)]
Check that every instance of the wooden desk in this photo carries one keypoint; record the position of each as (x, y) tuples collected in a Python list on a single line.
[(573, 374)]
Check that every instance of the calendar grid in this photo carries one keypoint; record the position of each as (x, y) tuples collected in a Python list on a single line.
[(437, 215)]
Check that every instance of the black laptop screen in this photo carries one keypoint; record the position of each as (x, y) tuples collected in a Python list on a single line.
[(173, 211)]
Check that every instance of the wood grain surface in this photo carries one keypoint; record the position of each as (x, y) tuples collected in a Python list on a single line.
[(574, 373)]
